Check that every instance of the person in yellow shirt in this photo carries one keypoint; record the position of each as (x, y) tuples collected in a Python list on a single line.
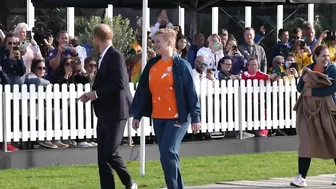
[(286, 69), (134, 62), (331, 43), (302, 54)]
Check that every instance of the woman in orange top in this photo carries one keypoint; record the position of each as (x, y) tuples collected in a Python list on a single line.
[(166, 92)]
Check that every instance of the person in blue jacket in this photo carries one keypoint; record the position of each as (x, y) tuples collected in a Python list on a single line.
[(329, 69), (323, 65), (166, 92)]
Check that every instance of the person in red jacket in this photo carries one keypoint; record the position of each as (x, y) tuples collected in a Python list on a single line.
[(253, 73)]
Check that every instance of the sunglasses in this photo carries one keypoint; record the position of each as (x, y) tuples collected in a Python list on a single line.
[(93, 65), (42, 68), (202, 64), (12, 43)]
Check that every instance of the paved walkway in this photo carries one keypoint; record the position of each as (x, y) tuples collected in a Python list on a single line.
[(316, 182)]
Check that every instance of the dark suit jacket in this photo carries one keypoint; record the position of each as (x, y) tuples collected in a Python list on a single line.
[(112, 87)]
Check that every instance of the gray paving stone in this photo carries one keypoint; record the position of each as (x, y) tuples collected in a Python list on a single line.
[(314, 182)]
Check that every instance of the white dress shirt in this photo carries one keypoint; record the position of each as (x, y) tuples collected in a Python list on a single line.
[(102, 55), (100, 60)]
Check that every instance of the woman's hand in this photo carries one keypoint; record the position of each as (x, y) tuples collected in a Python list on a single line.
[(308, 92), (307, 49), (135, 124), (305, 70), (68, 72), (15, 54), (237, 53), (233, 77), (195, 127), (151, 53), (273, 76), (294, 72)]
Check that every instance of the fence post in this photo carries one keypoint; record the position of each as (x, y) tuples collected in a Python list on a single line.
[(240, 105), (4, 107)]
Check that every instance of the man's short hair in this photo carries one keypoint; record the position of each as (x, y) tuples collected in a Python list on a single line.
[(248, 29), (251, 59), (290, 55), (103, 32)]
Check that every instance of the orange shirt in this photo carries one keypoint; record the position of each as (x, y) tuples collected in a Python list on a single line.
[(161, 85), (316, 69)]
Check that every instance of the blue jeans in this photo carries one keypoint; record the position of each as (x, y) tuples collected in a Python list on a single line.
[(168, 137)]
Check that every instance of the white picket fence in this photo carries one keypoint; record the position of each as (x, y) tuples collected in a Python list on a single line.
[(38, 114)]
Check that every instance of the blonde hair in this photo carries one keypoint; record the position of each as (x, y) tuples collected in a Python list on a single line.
[(214, 36), (168, 35), (19, 27)]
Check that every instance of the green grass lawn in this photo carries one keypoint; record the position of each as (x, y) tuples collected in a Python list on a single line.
[(196, 171)]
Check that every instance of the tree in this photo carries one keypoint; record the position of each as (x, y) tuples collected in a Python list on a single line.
[(123, 35)]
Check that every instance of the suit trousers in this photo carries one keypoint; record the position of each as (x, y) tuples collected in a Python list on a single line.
[(169, 136), (109, 137)]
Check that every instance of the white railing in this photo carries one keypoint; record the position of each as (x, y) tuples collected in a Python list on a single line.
[(34, 114)]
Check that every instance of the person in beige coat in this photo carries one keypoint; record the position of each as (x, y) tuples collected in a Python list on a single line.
[(316, 113)]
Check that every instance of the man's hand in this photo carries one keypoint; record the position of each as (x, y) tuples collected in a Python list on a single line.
[(88, 96), (196, 127), (135, 124), (210, 76), (323, 35)]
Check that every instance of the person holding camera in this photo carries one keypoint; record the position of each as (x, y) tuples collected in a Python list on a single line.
[(28, 47), (11, 60), (213, 53), (162, 22), (285, 69), (302, 53), (330, 39), (238, 60), (57, 55)]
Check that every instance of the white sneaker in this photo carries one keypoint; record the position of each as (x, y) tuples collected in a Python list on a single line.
[(59, 144), (299, 182), (134, 186), (334, 181), (94, 144), (84, 145)]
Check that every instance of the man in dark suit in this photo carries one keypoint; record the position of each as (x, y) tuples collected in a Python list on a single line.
[(111, 98)]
